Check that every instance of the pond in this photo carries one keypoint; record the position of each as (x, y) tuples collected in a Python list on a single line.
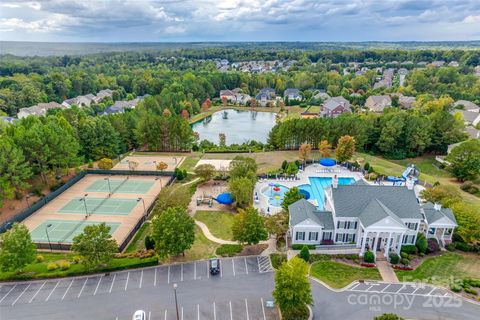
[(239, 126)]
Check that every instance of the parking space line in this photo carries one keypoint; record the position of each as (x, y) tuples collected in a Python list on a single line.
[(385, 288), (80, 293), (165, 314), (8, 293), (98, 284), (231, 313), (258, 264), (214, 311), (415, 290), (182, 314), (21, 294), (233, 266), (401, 288), (113, 281), (126, 283), (30, 301), (52, 291), (208, 272), (155, 278), (168, 274), (181, 272), (246, 307), (246, 268), (149, 314), (63, 297), (352, 288), (194, 271), (221, 269), (263, 309), (431, 291), (141, 279), (198, 312)]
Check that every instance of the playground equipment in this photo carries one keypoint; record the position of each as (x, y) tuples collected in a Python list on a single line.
[(411, 173), (205, 200)]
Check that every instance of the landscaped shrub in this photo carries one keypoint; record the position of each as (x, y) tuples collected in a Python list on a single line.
[(432, 245), (366, 166), (229, 250), (394, 258), (455, 287), (63, 264), (465, 247), (327, 242), (471, 291), (404, 255), (180, 174), (409, 248), (320, 257), (90, 164), (37, 189), (105, 164), (149, 243), (40, 258), (305, 254), (405, 261), (469, 187), (77, 259), (472, 282), (369, 257), (51, 266), (277, 259), (451, 246), (299, 246), (421, 243), (299, 313)]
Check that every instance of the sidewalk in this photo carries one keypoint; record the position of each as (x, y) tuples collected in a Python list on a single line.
[(386, 271), (210, 236)]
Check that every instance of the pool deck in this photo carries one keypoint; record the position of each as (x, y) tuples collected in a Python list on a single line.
[(314, 170)]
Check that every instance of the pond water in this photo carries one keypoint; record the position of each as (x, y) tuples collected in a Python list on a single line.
[(239, 126)]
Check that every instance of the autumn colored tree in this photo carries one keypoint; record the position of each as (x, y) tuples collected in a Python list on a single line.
[(206, 105), (304, 151), (345, 148), (324, 148), (166, 112), (185, 114), (224, 101), (253, 103), (161, 166)]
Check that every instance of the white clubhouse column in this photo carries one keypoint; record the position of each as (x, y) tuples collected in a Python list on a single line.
[(400, 242), (375, 244), (364, 242), (387, 248)]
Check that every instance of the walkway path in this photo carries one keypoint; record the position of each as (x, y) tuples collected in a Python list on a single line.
[(386, 271), (210, 236)]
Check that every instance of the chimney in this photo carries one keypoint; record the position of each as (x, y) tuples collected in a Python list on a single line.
[(335, 182), (410, 183), (437, 206)]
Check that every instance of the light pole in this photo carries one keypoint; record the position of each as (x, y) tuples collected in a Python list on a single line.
[(175, 293), (144, 209), (84, 199), (108, 181), (160, 180), (48, 237), (26, 199)]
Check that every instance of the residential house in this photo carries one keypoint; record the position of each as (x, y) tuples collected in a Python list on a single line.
[(368, 217), (292, 94), (121, 106), (265, 95), (38, 109), (378, 103), (453, 64), (102, 94), (469, 117), (80, 101), (322, 95), (437, 64), (228, 94), (8, 120), (467, 105), (335, 106), (406, 102), (243, 98)]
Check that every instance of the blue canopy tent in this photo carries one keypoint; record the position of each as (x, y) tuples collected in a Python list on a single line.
[(327, 162), (305, 193), (225, 198)]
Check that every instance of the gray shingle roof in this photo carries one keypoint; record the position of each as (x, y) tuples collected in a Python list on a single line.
[(433, 215), (350, 201), (303, 210), (376, 211)]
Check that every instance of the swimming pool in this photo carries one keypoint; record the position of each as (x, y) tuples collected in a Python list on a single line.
[(317, 187), (275, 197)]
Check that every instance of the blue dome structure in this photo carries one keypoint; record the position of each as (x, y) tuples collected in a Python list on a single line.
[(305, 193), (394, 179), (225, 198), (327, 162)]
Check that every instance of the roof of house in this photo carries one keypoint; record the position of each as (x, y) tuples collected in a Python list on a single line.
[(468, 116), (467, 104), (406, 101), (227, 93), (321, 95), (303, 210), (335, 102), (8, 119), (378, 103), (351, 200), (291, 91), (376, 211), (432, 214)]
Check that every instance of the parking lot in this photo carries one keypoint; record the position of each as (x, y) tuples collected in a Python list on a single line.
[(415, 289), (159, 280)]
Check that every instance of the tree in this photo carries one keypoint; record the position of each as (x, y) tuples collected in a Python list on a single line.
[(304, 254), (185, 114), (241, 167), (421, 242), (292, 287), (304, 151), (105, 164), (465, 160), (172, 196), (161, 166), (277, 224), (324, 148), (468, 221), (173, 231), (292, 168), (95, 245), (222, 139), (249, 227), (345, 148), (444, 194), (290, 197), (16, 248), (242, 190), (205, 171)]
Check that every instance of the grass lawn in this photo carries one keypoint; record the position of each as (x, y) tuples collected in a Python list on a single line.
[(219, 223), (202, 249), (138, 241), (338, 275), (444, 267), (189, 163), (427, 165)]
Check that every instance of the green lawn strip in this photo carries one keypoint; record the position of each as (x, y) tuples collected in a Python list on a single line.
[(426, 164), (218, 222), (442, 268), (201, 249), (138, 241), (189, 163), (338, 275)]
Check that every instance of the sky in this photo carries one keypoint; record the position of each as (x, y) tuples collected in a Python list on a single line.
[(239, 20)]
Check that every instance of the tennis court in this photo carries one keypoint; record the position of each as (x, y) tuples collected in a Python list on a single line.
[(148, 162), (115, 185), (64, 230), (108, 206)]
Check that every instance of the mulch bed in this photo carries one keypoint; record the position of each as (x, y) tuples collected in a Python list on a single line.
[(253, 250)]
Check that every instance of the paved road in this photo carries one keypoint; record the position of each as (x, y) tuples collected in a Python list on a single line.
[(239, 292)]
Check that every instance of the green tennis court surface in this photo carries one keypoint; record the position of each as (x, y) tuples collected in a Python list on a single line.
[(121, 186), (65, 230), (108, 206)]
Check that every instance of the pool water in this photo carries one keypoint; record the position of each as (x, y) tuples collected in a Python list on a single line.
[(275, 198), (317, 187)]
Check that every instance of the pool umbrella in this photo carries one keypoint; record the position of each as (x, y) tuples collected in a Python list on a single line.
[(225, 198), (327, 162), (276, 189)]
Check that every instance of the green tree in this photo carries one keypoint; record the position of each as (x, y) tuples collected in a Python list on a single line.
[(205, 171), (16, 248), (465, 160), (304, 254), (292, 287), (242, 190), (421, 242), (249, 227), (277, 224), (243, 167), (345, 148), (173, 231), (468, 222), (95, 245), (291, 196)]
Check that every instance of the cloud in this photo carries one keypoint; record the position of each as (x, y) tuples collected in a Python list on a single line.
[(472, 19), (174, 30)]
